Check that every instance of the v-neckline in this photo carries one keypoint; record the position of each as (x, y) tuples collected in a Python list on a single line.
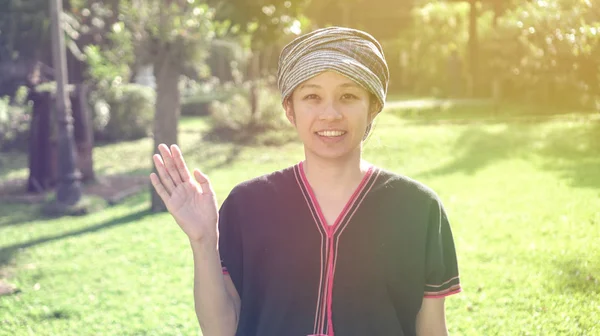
[(330, 229)]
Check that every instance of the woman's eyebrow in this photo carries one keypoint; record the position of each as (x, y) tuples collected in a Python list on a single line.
[(309, 86)]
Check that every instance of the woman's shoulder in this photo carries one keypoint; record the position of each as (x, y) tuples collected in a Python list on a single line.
[(404, 185), (265, 185)]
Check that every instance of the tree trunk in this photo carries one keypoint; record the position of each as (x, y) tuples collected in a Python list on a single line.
[(473, 49), (42, 174), (253, 75), (166, 115), (83, 133)]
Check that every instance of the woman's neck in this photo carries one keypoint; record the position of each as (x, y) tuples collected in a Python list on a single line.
[(336, 175)]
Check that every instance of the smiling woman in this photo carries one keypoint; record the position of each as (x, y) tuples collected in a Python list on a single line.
[(332, 244)]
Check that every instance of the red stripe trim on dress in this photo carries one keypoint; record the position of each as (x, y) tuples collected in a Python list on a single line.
[(358, 201), (452, 290), (344, 211), (347, 220), (330, 230), (318, 319)]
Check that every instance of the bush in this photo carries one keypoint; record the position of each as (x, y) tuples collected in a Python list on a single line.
[(233, 114), (14, 125), (123, 112), (438, 29), (234, 120), (199, 105), (197, 97)]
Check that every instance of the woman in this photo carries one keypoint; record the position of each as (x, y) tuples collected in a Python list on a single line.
[(332, 244)]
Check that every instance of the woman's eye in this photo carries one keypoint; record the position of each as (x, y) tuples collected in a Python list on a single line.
[(349, 96), (311, 96)]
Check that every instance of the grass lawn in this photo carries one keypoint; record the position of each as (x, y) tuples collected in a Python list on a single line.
[(523, 199)]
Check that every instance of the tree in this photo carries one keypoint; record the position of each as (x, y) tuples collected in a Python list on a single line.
[(24, 41), (25, 60), (174, 36), (377, 17), (170, 35), (264, 22), (475, 7)]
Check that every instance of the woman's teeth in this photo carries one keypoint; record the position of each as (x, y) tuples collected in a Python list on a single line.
[(331, 133)]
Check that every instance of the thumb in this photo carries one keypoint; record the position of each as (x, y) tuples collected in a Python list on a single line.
[(204, 182)]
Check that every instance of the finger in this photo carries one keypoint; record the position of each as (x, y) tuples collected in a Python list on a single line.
[(160, 189), (171, 169), (180, 163), (165, 178), (204, 182)]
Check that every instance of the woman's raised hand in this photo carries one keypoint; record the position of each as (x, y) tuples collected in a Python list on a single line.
[(191, 201)]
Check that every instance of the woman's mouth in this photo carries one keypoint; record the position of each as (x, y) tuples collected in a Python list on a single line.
[(331, 133)]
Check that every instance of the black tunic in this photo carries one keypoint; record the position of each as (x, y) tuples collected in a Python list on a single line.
[(365, 275)]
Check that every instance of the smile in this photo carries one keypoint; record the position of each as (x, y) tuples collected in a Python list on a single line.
[(331, 133)]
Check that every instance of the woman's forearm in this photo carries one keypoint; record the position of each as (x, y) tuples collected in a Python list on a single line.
[(215, 308)]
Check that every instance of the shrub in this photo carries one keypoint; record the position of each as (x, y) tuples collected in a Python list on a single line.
[(199, 105), (233, 114), (123, 112), (233, 119), (14, 125), (197, 97)]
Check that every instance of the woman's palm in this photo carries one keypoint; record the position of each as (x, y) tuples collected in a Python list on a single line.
[(191, 201), (193, 209)]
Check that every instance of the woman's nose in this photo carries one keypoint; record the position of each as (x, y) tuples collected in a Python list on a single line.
[(330, 112)]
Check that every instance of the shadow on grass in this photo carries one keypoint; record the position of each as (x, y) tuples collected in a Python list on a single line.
[(577, 274), (7, 252), (571, 150), (477, 148), (106, 191), (12, 161), (220, 148), (468, 112), (209, 156), (18, 214), (575, 155)]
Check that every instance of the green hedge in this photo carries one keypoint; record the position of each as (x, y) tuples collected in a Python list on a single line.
[(123, 112), (199, 104), (14, 125)]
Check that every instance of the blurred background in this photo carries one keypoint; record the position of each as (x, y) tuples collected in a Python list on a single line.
[(494, 103)]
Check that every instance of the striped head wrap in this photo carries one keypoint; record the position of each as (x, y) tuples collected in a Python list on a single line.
[(350, 52)]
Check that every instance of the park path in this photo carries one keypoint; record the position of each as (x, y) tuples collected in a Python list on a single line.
[(432, 103)]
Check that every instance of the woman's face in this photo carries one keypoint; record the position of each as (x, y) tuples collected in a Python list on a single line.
[(331, 114)]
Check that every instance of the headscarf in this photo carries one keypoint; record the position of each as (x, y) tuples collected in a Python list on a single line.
[(350, 52)]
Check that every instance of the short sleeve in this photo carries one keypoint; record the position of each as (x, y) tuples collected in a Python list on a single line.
[(441, 265), (230, 241)]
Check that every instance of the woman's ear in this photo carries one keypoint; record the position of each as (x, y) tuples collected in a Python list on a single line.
[(374, 109), (289, 110)]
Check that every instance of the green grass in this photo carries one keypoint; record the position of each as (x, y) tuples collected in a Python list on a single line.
[(523, 199)]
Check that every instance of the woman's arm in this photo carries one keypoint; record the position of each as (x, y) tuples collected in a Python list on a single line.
[(431, 319), (216, 299)]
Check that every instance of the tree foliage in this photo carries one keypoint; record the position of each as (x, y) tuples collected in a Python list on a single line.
[(264, 21), (540, 51), (550, 49)]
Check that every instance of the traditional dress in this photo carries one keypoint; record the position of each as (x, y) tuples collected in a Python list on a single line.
[(366, 274)]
